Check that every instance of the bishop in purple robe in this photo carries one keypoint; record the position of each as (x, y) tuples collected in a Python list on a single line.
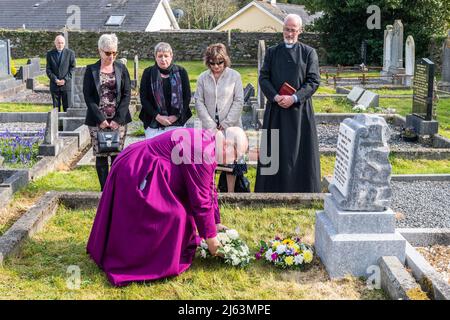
[(158, 202)]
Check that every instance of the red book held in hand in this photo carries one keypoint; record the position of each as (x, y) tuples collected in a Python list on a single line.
[(286, 90)]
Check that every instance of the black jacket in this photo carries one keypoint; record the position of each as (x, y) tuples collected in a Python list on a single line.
[(149, 109), (92, 92), (62, 71)]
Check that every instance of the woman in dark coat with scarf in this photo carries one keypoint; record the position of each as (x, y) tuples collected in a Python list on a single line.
[(165, 94)]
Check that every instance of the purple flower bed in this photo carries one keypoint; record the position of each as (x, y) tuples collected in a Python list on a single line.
[(20, 149)]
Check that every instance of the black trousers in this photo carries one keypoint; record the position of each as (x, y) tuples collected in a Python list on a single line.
[(59, 98), (102, 167)]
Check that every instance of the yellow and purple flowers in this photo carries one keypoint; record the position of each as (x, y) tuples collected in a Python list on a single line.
[(233, 250), (286, 253), (20, 149)]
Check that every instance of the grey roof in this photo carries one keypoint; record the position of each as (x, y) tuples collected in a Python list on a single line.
[(52, 14), (281, 10)]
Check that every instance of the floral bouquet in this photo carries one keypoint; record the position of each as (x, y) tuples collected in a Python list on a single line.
[(233, 250), (287, 253)]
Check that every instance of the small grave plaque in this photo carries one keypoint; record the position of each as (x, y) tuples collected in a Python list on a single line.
[(423, 89), (355, 94), (344, 158)]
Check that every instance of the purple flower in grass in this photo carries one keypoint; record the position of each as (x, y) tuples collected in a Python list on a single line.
[(258, 256), (274, 256)]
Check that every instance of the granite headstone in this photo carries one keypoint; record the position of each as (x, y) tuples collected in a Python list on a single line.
[(357, 227)]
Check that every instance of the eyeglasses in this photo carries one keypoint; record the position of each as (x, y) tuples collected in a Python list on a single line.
[(108, 53), (216, 63), (289, 30)]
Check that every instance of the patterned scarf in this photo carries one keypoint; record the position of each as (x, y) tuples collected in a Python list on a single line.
[(176, 89)]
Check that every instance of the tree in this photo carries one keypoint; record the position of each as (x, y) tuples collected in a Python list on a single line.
[(204, 14), (344, 25)]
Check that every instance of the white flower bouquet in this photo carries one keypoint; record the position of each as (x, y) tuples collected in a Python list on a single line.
[(233, 250)]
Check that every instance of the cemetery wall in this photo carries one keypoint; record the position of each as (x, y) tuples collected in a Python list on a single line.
[(187, 44)]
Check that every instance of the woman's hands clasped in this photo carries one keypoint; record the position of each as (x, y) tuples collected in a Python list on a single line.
[(166, 120), (113, 125)]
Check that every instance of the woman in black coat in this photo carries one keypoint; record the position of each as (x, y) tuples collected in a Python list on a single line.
[(107, 91), (165, 94)]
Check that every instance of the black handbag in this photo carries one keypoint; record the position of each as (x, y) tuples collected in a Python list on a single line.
[(241, 185), (108, 141)]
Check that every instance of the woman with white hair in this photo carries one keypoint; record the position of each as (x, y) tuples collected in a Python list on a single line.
[(107, 91), (165, 94)]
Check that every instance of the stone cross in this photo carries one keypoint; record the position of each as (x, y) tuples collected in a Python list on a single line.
[(357, 227)]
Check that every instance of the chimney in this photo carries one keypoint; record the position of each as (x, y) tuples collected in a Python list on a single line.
[(273, 2)]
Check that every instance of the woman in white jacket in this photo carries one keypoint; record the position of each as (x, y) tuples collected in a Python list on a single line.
[(219, 98)]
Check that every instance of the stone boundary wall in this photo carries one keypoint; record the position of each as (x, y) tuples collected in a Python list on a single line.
[(187, 44)]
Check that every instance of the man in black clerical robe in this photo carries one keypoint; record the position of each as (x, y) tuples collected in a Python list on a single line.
[(297, 159)]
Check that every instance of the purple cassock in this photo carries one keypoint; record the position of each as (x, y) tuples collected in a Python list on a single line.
[(159, 193)]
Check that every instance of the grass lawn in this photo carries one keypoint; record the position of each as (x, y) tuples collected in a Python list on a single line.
[(23, 107), (40, 272), (194, 68)]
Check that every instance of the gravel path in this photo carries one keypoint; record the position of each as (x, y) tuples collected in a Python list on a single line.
[(21, 126), (328, 134), (421, 204), (28, 96)]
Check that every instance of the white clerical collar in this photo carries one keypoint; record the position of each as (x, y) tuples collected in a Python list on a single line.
[(289, 46)]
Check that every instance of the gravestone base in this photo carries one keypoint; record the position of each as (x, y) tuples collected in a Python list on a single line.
[(422, 127), (76, 112), (408, 80), (72, 123), (348, 243), (50, 150), (9, 86)]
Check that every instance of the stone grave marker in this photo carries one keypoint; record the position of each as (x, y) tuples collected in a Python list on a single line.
[(410, 57), (369, 99), (261, 54), (136, 68), (5, 55), (357, 227), (249, 91), (364, 52), (35, 67), (355, 94), (396, 63), (388, 33), (51, 144), (76, 114), (422, 117), (423, 89), (446, 59)]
